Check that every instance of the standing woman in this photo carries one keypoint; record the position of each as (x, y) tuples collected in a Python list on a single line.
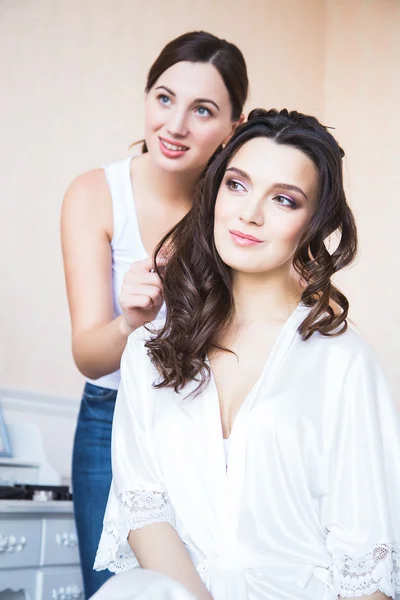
[(112, 219)]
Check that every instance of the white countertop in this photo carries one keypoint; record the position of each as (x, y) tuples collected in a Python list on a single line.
[(36, 506)]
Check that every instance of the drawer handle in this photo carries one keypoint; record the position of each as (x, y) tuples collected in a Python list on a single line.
[(68, 540), (71, 592), (11, 543)]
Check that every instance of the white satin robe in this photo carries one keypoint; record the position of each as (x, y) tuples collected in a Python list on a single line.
[(309, 507)]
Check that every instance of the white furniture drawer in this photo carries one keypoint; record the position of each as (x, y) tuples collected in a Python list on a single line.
[(19, 543), (61, 584), (15, 580), (59, 542)]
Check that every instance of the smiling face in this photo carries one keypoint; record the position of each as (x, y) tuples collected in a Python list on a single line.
[(187, 116), (266, 199)]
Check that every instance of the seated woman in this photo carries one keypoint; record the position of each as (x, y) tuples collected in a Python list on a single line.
[(256, 449)]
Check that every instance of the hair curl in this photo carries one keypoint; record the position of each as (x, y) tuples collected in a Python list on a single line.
[(198, 284)]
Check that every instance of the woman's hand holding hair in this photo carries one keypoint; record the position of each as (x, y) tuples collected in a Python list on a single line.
[(141, 295)]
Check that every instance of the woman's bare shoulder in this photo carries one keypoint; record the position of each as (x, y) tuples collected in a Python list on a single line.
[(88, 187), (88, 201)]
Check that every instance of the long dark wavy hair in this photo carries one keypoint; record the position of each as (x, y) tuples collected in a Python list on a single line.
[(198, 284), (204, 47)]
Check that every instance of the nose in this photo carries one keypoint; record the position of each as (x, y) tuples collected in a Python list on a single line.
[(177, 125), (253, 210)]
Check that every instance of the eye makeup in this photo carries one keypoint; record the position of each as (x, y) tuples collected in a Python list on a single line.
[(285, 201), (234, 185)]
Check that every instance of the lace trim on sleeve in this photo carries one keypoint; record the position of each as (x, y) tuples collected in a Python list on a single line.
[(379, 571), (136, 509)]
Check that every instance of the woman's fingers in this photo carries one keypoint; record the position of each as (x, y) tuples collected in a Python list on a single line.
[(140, 301), (131, 292), (142, 291), (144, 277)]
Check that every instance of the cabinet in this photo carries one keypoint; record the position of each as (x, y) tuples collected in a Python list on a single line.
[(39, 557)]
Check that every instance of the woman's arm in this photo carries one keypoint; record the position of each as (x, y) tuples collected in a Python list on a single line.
[(159, 548), (360, 513), (98, 339)]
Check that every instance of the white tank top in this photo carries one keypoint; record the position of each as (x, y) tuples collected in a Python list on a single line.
[(126, 244)]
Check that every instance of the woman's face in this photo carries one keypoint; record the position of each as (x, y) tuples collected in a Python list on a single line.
[(266, 199), (187, 116)]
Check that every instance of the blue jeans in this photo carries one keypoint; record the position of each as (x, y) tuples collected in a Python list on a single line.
[(91, 477)]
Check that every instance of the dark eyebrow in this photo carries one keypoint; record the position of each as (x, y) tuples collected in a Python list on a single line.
[(205, 100), (290, 188), (282, 186), (197, 101), (163, 87), (239, 172)]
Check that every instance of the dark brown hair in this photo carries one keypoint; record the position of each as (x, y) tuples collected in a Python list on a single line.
[(203, 47), (198, 284)]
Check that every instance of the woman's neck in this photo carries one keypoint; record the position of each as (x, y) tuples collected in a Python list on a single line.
[(264, 297), (170, 187)]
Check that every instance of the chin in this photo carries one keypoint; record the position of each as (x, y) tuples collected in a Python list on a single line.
[(248, 270), (244, 265), (238, 265), (167, 164), (172, 165)]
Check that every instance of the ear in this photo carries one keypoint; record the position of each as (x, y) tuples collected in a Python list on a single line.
[(235, 124)]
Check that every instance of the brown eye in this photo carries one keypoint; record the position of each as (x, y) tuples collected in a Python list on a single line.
[(285, 201), (235, 186)]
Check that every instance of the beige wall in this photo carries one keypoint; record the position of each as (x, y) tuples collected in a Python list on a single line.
[(72, 75), (362, 100)]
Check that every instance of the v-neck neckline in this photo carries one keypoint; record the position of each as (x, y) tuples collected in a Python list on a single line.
[(220, 486), (268, 366)]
